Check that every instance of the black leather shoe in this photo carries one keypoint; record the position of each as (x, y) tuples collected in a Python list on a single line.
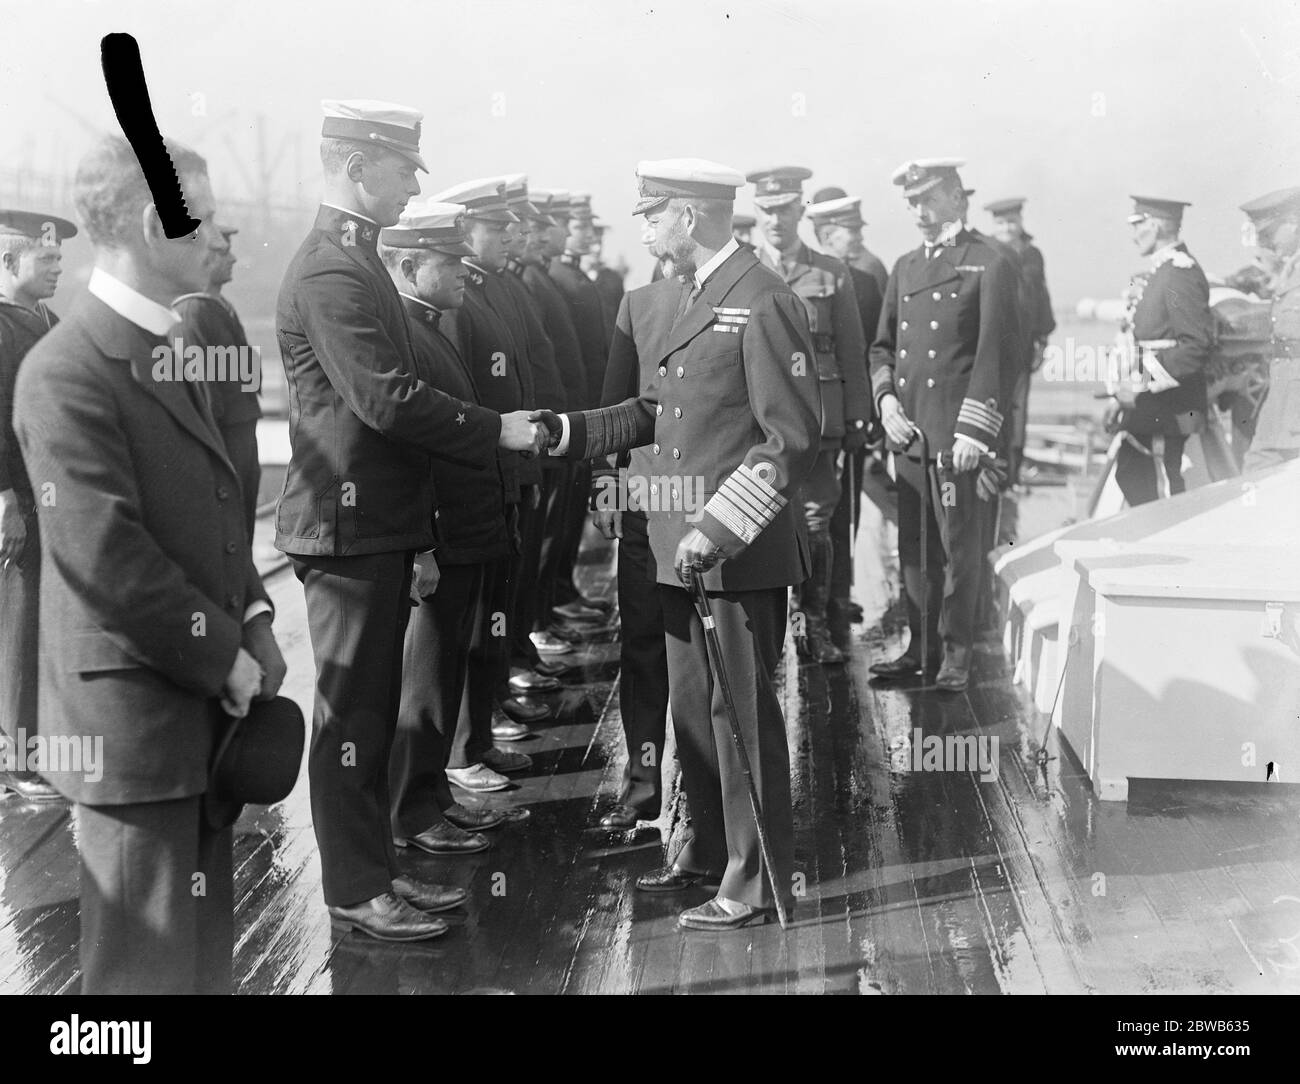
[(671, 879), (474, 820), (553, 668), (523, 709), (387, 917), (426, 897), (903, 666), (952, 679), (533, 681), (29, 786), (621, 816), (710, 916), (577, 611), (445, 838), (506, 729), (503, 760)]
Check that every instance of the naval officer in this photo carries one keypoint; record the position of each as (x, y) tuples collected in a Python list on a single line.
[(723, 400)]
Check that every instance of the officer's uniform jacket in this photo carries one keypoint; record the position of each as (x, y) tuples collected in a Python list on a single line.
[(588, 315), (1279, 418), (147, 572), (362, 425), (470, 517), (20, 330), (725, 400), (559, 328), (948, 343), (1173, 329), (824, 285), (484, 340)]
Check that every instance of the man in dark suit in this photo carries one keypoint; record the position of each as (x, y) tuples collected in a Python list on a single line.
[(824, 286), (358, 502), (209, 320), (941, 361), (153, 618), (732, 421), (1172, 329), (834, 219), (1037, 322), (425, 255), (30, 256), (608, 282)]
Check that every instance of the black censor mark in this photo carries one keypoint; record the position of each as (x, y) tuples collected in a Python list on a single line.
[(129, 93)]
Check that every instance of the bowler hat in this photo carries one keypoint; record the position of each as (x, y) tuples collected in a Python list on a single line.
[(256, 760)]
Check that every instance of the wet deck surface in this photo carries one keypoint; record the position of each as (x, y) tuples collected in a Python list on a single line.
[(917, 881)]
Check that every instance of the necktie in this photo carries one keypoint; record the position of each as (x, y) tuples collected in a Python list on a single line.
[(687, 300)]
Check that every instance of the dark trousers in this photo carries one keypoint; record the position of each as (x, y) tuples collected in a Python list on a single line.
[(488, 668), (555, 534), (357, 611), (1135, 471), (434, 665), (577, 494), (524, 572), (844, 525), (956, 558), (20, 596), (157, 899), (643, 670), (751, 629)]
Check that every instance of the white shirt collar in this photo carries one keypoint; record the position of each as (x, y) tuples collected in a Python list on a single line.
[(132, 305), (951, 230), (345, 211), (702, 274), (421, 301)]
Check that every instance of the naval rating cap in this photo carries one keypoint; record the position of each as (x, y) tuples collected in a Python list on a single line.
[(432, 225), (1010, 205), (838, 211), (484, 199), (48, 229), (363, 120)]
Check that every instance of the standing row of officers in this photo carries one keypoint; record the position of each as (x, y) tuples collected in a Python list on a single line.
[(461, 394)]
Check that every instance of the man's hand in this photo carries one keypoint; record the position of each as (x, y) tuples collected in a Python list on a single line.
[(259, 641), (244, 681), (13, 529), (551, 420), (696, 552), (424, 581), (520, 434), (609, 522), (965, 456), (897, 425)]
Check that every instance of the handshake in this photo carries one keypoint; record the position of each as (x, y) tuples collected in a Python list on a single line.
[(530, 432)]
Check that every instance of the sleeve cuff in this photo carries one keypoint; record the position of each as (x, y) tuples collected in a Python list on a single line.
[(745, 503), (256, 609), (562, 448), (971, 440), (979, 421)]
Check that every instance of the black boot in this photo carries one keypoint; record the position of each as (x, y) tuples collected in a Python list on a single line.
[(814, 594)]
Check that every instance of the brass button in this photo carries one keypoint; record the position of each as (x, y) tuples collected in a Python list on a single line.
[(902, 353), (663, 370), (902, 381), (674, 492), (930, 383), (937, 295), (232, 601), (659, 409), (222, 493), (653, 489), (680, 371), (677, 453), (907, 297), (656, 449), (932, 354), (934, 325), (677, 412), (904, 325), (230, 547)]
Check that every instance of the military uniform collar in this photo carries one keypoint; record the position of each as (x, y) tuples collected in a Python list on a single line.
[(1175, 253), (39, 313), (948, 236), (356, 229), (703, 274), (477, 275), (421, 310), (515, 267), (572, 259)]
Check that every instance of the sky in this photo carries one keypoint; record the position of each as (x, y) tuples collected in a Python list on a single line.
[(1074, 105)]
